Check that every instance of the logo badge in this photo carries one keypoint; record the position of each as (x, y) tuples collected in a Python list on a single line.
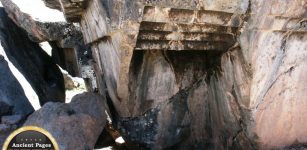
[(30, 138)]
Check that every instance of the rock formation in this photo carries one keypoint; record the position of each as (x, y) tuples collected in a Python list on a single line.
[(36, 67), (29, 58), (13, 99), (200, 74), (23, 66), (66, 40), (76, 125), (274, 45), (188, 74)]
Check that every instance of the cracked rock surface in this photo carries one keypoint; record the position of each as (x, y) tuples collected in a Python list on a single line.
[(239, 66), (188, 74)]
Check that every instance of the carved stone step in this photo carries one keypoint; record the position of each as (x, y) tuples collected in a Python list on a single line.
[(237, 6), (188, 36), (184, 27), (175, 15), (181, 45), (72, 9)]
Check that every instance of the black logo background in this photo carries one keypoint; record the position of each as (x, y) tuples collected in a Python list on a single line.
[(29, 137)]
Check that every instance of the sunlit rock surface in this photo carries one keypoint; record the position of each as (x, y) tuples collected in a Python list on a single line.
[(237, 70), (274, 45)]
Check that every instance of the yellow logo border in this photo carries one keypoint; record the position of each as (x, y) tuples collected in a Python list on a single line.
[(30, 128)]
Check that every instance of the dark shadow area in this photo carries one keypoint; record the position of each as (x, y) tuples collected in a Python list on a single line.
[(32, 61), (12, 95)]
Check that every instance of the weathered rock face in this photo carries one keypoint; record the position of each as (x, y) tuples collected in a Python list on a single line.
[(274, 44), (5, 131), (212, 114), (76, 125), (32, 62), (200, 74), (70, 82), (40, 31), (28, 77), (14, 104), (66, 40), (148, 28), (172, 59), (5, 108), (13, 99)]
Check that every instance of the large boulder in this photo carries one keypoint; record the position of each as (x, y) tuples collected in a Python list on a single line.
[(45, 24), (40, 30), (12, 97), (76, 125), (37, 67), (28, 77), (12, 100)]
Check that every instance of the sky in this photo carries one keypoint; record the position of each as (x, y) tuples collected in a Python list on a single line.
[(38, 10)]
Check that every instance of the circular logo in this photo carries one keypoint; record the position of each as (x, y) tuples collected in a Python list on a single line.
[(30, 138)]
